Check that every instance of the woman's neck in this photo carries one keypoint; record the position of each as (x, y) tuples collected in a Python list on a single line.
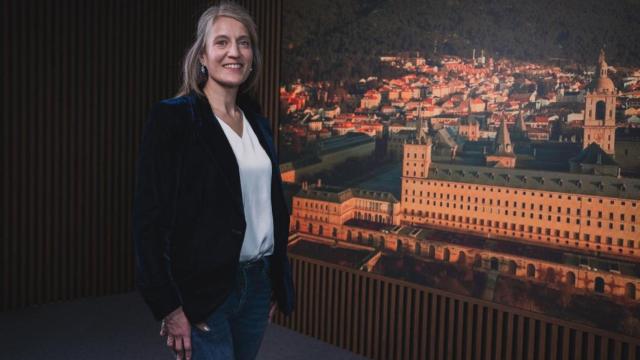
[(221, 99)]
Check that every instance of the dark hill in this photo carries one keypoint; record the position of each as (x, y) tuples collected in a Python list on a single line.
[(338, 39)]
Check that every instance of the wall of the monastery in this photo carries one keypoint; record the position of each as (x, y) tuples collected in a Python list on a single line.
[(521, 267), (589, 222)]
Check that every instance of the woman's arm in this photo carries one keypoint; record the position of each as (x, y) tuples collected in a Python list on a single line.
[(154, 209)]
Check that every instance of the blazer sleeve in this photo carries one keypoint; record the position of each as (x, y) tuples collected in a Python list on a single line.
[(154, 210)]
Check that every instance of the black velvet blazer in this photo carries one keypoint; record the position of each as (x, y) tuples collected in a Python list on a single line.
[(188, 217)]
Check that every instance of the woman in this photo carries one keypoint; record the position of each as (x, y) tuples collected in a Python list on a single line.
[(210, 220)]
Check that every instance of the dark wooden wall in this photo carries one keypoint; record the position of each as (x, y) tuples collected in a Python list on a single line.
[(78, 78), (385, 318)]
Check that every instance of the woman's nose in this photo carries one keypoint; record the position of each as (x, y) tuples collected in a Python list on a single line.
[(234, 50)]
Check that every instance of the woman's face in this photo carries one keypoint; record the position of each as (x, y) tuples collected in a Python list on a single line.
[(228, 53)]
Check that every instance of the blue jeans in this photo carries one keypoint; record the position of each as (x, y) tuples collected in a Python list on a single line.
[(238, 325)]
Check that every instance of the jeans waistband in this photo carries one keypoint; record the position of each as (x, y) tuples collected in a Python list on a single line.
[(258, 263)]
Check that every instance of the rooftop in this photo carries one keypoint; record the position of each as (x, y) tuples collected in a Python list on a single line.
[(581, 184)]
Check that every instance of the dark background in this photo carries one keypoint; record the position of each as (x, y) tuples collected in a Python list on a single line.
[(78, 78)]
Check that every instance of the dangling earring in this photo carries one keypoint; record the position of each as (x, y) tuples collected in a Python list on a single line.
[(203, 69)]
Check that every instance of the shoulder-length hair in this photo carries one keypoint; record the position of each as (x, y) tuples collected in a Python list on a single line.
[(193, 79)]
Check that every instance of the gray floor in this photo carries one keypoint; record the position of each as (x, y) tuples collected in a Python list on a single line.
[(121, 327)]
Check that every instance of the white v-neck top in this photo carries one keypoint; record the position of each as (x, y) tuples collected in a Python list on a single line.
[(255, 180)]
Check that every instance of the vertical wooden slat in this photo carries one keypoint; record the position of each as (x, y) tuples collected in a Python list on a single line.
[(393, 324), (408, 334), (425, 325), (531, 342), (364, 316), (459, 329), (542, 345), (372, 316), (479, 333), (520, 338), (553, 346), (488, 343), (578, 345), (441, 328), (433, 315), (510, 329), (498, 339), (343, 300), (470, 332), (591, 346), (566, 339), (349, 312), (451, 328), (377, 332), (384, 335)]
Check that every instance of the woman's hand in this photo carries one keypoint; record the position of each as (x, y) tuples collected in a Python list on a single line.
[(272, 310), (178, 331)]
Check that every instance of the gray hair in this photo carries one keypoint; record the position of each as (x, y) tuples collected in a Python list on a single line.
[(193, 79)]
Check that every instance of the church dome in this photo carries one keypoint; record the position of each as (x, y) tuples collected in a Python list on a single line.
[(604, 84)]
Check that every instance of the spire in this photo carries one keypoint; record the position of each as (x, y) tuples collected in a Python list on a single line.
[(601, 82), (602, 65), (502, 145)]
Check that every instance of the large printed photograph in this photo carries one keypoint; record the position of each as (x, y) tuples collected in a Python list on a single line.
[(489, 149)]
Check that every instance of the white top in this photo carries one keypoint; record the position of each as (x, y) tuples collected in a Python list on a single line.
[(255, 180)]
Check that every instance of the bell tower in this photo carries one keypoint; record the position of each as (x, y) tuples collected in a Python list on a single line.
[(600, 110)]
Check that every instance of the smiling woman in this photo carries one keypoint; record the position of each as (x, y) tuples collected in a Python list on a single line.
[(210, 220)]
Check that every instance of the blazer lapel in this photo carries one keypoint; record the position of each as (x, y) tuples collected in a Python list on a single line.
[(211, 134)]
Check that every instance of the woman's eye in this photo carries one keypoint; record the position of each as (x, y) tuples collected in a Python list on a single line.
[(245, 43), (221, 42)]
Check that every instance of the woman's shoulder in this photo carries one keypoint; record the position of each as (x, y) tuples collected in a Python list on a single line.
[(172, 113), (180, 103)]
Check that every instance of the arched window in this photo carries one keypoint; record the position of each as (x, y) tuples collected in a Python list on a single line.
[(511, 269), (359, 237), (446, 255), (334, 232), (630, 291), (531, 271), (599, 285), (370, 240), (495, 264), (310, 228), (297, 225), (571, 279), (462, 258), (550, 275), (418, 249), (600, 110), (320, 230), (349, 235), (432, 251), (399, 245), (477, 261)]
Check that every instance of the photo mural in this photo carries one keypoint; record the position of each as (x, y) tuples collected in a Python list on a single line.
[(487, 149)]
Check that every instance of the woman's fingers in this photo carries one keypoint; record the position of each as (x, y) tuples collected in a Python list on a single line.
[(177, 347), (187, 347)]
